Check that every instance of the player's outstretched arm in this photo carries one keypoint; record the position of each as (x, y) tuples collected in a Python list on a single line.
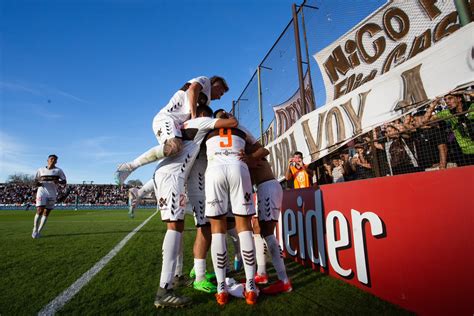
[(226, 123)]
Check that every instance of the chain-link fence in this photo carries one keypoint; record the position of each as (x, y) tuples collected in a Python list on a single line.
[(272, 102), (436, 136)]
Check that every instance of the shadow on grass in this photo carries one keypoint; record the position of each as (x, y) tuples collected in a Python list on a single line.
[(104, 233)]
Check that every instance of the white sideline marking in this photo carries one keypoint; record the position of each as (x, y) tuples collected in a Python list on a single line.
[(52, 307)]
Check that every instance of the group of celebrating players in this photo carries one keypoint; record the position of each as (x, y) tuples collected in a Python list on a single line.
[(212, 160)]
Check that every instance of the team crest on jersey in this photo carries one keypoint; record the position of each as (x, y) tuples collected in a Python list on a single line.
[(159, 132), (162, 202)]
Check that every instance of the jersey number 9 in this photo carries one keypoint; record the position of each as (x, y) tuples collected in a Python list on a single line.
[(227, 142)]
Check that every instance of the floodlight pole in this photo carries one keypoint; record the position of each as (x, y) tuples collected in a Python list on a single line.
[(313, 104), (298, 57), (260, 104), (464, 12)]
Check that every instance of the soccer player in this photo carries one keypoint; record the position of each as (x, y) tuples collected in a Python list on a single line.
[(227, 178), (168, 122), (169, 179), (136, 195), (269, 199), (47, 179), (197, 197)]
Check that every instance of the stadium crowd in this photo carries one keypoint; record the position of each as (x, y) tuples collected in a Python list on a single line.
[(86, 194)]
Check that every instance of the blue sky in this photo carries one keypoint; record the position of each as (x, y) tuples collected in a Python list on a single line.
[(84, 79)]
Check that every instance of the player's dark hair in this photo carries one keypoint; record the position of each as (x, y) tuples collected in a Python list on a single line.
[(215, 79), (299, 153), (53, 155), (216, 112), (203, 109)]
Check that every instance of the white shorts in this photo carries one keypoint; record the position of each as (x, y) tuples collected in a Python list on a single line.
[(269, 199), (170, 197), (165, 128), (228, 182), (45, 200)]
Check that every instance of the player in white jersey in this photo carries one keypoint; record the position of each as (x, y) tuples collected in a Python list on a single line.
[(168, 122), (136, 195), (197, 198), (169, 179), (269, 199), (227, 178), (47, 180)]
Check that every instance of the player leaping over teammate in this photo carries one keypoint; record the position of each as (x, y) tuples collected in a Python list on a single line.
[(168, 122)]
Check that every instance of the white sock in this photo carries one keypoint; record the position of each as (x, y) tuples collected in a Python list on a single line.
[(170, 253), (152, 154), (42, 223), (36, 222), (260, 254), (248, 255), (219, 260), (200, 269), (277, 257), (179, 261), (235, 241)]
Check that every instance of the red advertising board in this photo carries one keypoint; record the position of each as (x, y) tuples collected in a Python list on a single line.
[(407, 239)]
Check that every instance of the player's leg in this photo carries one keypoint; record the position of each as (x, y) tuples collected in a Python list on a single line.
[(168, 191), (240, 192), (216, 208), (270, 195), (168, 136), (234, 237), (44, 219), (219, 256), (201, 247), (261, 276), (36, 222), (283, 284)]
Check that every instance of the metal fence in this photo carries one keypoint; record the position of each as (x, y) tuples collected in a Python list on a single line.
[(277, 81), (433, 137)]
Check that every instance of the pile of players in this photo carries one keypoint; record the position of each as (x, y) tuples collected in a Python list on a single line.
[(214, 161)]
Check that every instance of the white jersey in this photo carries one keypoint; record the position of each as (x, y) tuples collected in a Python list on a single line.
[(178, 107), (225, 144), (181, 163), (47, 178)]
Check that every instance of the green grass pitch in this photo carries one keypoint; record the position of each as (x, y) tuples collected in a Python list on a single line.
[(34, 272)]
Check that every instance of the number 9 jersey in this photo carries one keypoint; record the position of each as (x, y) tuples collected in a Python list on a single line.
[(225, 144), (227, 177)]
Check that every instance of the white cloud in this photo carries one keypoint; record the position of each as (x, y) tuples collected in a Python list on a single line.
[(18, 88), (97, 148), (14, 157)]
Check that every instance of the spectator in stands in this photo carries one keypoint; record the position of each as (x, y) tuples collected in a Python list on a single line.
[(337, 171), (399, 150), (361, 163), (349, 169), (298, 172), (92, 194), (430, 141), (460, 117)]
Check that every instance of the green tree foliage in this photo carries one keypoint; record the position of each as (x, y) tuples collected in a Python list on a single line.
[(21, 178), (135, 183)]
